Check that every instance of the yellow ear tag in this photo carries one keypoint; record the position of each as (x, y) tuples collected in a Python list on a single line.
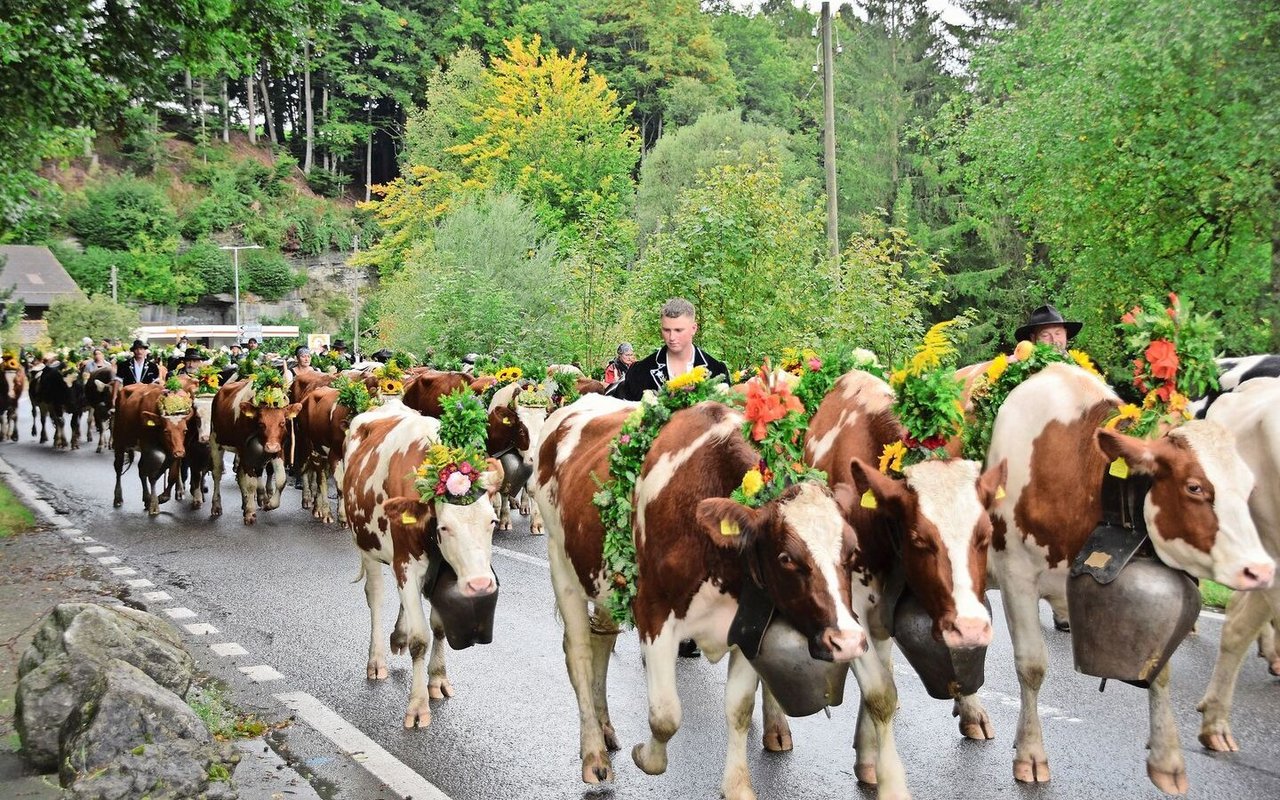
[(407, 519), (1000, 493), (1119, 468), (249, 414), (151, 423), (869, 500), (729, 527)]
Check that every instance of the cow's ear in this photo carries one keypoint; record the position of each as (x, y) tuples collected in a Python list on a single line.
[(491, 479), (1136, 454), (727, 522), (248, 410), (409, 513), (875, 489), (150, 418), (292, 410), (991, 484)]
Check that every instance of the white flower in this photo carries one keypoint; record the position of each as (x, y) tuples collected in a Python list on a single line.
[(864, 356), (457, 484)]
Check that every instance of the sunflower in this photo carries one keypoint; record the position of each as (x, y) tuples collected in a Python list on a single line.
[(509, 375), (891, 457), (1083, 361), (689, 380), (390, 386)]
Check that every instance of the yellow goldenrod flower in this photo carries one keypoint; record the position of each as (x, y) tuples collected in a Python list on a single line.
[(752, 482), (935, 347), (688, 380), (997, 367), (891, 457)]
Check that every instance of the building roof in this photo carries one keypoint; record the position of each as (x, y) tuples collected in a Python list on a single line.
[(37, 277)]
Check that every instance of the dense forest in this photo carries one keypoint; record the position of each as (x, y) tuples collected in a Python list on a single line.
[(533, 178)]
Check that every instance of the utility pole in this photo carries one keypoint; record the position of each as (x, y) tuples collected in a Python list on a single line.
[(114, 279), (355, 322), (829, 136), (235, 260)]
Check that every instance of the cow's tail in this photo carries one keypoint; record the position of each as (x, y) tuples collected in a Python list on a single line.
[(128, 463), (359, 575)]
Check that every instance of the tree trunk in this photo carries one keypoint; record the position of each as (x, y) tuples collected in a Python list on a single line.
[(204, 136), (251, 107), (306, 102), (186, 83), (226, 112), (266, 107), (90, 154), (368, 158), (324, 116)]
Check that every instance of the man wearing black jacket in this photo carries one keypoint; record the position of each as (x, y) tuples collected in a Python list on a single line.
[(140, 368), (677, 356)]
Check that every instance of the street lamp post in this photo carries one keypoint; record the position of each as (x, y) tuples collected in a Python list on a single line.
[(235, 260)]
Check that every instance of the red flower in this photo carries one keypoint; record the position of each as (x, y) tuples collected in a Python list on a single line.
[(1164, 359), (764, 407), (1131, 318), (1176, 303), (815, 364), (1139, 375), (934, 442), (1165, 390)]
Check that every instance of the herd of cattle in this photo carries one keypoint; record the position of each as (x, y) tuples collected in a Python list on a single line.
[(826, 555)]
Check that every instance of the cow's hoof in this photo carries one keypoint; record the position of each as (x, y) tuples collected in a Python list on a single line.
[(505, 526), (978, 727), (866, 774), (1217, 738), (737, 787), (610, 738), (1172, 782), (250, 519), (418, 715), (777, 738), (377, 670), (215, 510), (307, 503), (75, 446), (596, 769), (440, 688), (1031, 770), (117, 503), (196, 505), (536, 530), (1273, 666), (651, 763)]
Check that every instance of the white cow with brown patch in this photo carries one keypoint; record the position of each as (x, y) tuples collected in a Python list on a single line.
[(1196, 514), (514, 483)]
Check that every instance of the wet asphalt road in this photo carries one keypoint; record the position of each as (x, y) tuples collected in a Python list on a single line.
[(283, 590)]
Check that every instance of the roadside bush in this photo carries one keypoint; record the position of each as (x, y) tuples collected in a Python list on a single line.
[(267, 274), (121, 214), (211, 265), (71, 319), (91, 270)]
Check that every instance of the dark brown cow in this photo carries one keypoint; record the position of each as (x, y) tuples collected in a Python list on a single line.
[(158, 438), (691, 571), (1196, 512), (424, 391), (256, 435), (391, 525), (100, 390), (931, 526), (322, 428)]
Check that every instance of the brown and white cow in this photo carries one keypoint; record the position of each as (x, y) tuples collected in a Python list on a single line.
[(100, 390), (691, 573), (932, 527), (1249, 412), (516, 480), (424, 391), (321, 435), (15, 383), (256, 435), (391, 525), (159, 440), (1196, 513)]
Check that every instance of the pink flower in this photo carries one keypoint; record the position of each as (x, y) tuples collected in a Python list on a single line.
[(625, 438), (458, 484), (815, 363)]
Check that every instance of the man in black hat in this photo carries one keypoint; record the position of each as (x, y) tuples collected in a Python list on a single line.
[(140, 368), (192, 361), (1046, 325)]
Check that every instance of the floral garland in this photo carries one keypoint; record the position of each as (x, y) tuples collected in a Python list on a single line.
[(208, 380), (819, 374), (1177, 362), (927, 402), (268, 387), (1003, 376), (464, 421), (776, 420), (330, 362), (627, 453), (390, 378), (450, 475), (174, 400), (533, 395), (353, 395)]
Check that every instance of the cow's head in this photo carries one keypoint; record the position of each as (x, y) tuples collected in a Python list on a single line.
[(1197, 511), (507, 431), (203, 405), (464, 533), (173, 430), (532, 418), (270, 423), (941, 507), (802, 549), (11, 381)]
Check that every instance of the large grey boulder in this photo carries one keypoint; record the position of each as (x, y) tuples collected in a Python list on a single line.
[(61, 668), (133, 738)]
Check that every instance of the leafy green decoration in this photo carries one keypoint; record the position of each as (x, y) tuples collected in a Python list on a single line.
[(463, 422), (354, 395)]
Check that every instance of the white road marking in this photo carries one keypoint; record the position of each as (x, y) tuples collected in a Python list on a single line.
[(156, 597), (139, 583), (73, 532), (124, 571), (1010, 700), (97, 548), (516, 555), (108, 560), (179, 613), (261, 673), (82, 539), (225, 649), (398, 776), (200, 629)]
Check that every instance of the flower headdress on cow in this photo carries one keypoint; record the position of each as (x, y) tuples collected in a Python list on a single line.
[(268, 387), (775, 421), (208, 380), (174, 400), (451, 471), (11, 361), (533, 395), (927, 402), (390, 378), (353, 395), (1176, 362)]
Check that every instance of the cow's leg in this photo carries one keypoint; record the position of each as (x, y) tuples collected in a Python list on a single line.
[(215, 466), (75, 430), (739, 702), (502, 506), (604, 634), (339, 470), (196, 478), (248, 482), (276, 479), (664, 703), (974, 721), (118, 499), (571, 601), (777, 730), (399, 635), (419, 712), (172, 476), (438, 686), (1267, 647), (1165, 765), (535, 521), (1021, 609), (877, 755), (371, 568), (526, 502), (1247, 614), (102, 435)]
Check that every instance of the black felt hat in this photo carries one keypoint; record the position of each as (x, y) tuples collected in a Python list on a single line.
[(1046, 315), (139, 343), (193, 354)]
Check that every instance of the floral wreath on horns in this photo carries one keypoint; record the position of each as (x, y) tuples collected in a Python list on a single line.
[(775, 420), (173, 400), (208, 380), (268, 387), (1176, 363), (390, 378), (927, 402), (452, 469), (353, 395), (627, 453)]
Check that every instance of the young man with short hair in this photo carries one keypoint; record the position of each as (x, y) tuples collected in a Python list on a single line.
[(677, 355)]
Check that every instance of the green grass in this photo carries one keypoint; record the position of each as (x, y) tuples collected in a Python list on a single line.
[(14, 516), (220, 716), (1214, 595)]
